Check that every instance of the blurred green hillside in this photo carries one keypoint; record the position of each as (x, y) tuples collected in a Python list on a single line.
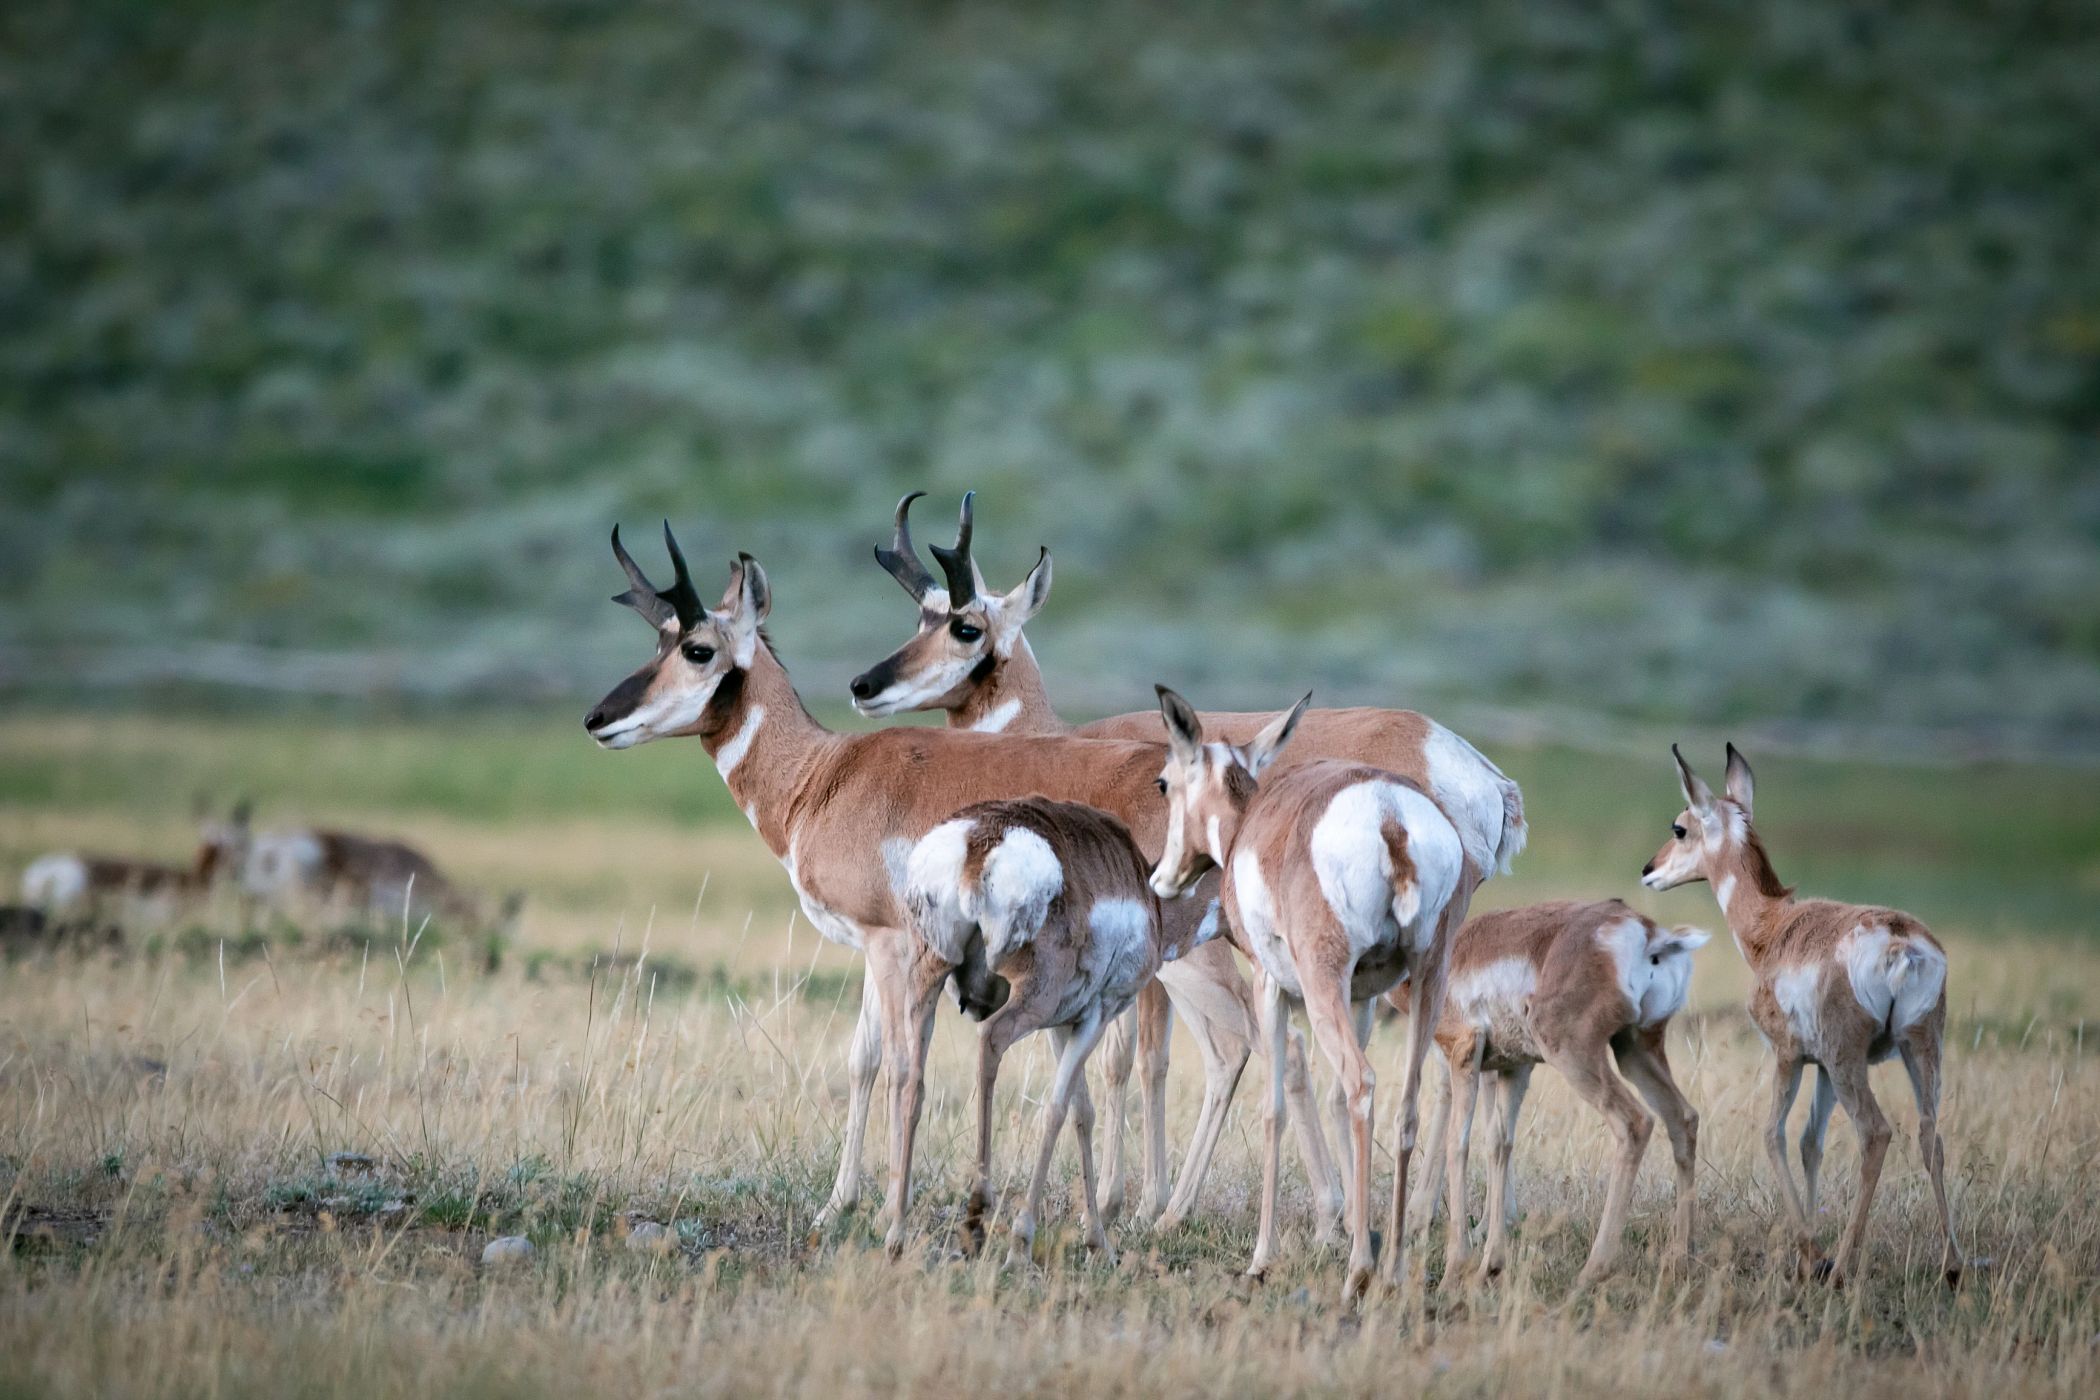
[(1664, 362)]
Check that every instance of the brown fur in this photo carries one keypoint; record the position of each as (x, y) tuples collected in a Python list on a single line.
[(1579, 1020), (1794, 944)]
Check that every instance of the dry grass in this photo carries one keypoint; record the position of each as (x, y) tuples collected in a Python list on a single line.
[(175, 1227)]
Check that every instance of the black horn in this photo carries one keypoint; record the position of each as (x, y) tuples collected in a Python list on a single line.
[(677, 603), (900, 560), (955, 563)]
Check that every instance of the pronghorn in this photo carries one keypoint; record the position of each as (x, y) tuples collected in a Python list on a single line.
[(370, 875), (840, 811), (1336, 879), (67, 880), (1839, 986), (970, 659), (1046, 908), (1576, 985)]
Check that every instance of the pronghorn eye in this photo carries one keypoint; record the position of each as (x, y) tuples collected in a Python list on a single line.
[(699, 653), (964, 631), (1677, 831), (1160, 783)]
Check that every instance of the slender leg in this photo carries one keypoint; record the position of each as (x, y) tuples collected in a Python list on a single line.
[(1786, 1081), (1073, 1044), (994, 1038), (1117, 1062), (1921, 1058), (1644, 1060), (1423, 1202), (1273, 1027), (1873, 1126), (908, 1035), (1327, 1187), (1502, 1175), (1333, 1023), (1155, 1027), (1223, 1064), (1812, 1134), (1587, 1067), (863, 1062), (1461, 1080), (1083, 1131), (1425, 1009)]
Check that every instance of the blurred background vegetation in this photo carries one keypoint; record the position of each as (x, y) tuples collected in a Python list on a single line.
[(1634, 362)]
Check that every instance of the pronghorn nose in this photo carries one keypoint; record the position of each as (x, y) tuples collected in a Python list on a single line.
[(1648, 869), (861, 686), (595, 719)]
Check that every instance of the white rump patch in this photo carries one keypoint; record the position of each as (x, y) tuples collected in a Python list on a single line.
[(1021, 878), (732, 753), (1896, 980), (934, 899), (1354, 864), (55, 881), (1654, 965), (1482, 803)]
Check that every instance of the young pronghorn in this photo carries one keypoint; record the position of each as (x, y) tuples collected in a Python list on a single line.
[(1576, 985), (841, 811), (1052, 899), (970, 659), (1336, 878), (65, 880), (1839, 986), (375, 876)]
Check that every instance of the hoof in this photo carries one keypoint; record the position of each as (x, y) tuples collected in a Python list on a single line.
[(1826, 1271), (1358, 1284), (1953, 1277)]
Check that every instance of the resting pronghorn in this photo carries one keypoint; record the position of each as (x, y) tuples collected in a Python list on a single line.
[(67, 880), (1576, 985), (970, 659), (1336, 878), (841, 811), (1051, 897), (1839, 986)]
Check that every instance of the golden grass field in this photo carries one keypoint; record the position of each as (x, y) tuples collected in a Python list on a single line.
[(167, 1112)]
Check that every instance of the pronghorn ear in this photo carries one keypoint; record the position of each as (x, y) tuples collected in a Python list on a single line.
[(1262, 752), (1742, 787), (1184, 729), (744, 606), (1697, 795), (1028, 596)]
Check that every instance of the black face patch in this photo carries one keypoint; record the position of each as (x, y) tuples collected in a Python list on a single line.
[(725, 702), (982, 671)]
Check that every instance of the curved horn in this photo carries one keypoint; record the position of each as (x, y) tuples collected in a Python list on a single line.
[(641, 595), (681, 595), (900, 560), (955, 563)]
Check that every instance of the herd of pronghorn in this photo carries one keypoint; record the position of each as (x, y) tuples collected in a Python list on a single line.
[(1057, 878)]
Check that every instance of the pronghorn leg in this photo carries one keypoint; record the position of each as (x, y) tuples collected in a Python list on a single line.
[(1921, 1058), (1083, 1131), (1425, 1003), (1327, 1188), (1461, 1082), (1510, 1087), (1225, 1054), (863, 1062), (909, 1033), (1857, 1096), (1587, 1068), (1118, 1059), (1273, 1028), (1644, 1060), (1786, 1082), (1813, 1133), (1422, 1201), (1155, 1030), (1020, 1015), (1333, 1023)]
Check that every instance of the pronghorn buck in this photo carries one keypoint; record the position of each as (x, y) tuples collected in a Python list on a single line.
[(1578, 986), (66, 880), (1336, 879), (841, 812), (1046, 909), (970, 659), (1838, 986)]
